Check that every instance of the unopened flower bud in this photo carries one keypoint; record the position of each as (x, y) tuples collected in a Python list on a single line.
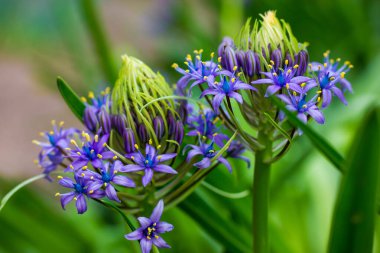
[(118, 122), (240, 58), (276, 58), (178, 132), (229, 58), (302, 59), (129, 140), (159, 128), (227, 41), (105, 121), (90, 120), (143, 133)]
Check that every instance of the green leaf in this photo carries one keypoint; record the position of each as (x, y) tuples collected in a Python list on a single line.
[(214, 223), (278, 127), (71, 98), (318, 141), (355, 209)]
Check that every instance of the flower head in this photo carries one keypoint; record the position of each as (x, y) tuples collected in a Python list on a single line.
[(80, 190), (282, 78), (150, 162), (329, 75), (90, 151), (227, 87), (107, 178), (150, 229), (207, 152)]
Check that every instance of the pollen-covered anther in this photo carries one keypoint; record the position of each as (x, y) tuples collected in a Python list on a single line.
[(286, 62), (296, 66), (84, 100), (150, 142), (91, 192), (136, 146), (338, 59), (294, 93), (271, 62), (198, 57), (74, 142), (53, 122), (303, 85), (84, 168), (132, 157), (174, 65), (156, 236), (51, 132), (332, 78), (96, 138), (342, 74), (304, 106), (114, 157), (205, 78), (61, 123), (57, 194), (287, 86), (91, 95), (105, 184), (318, 99), (235, 68), (82, 175), (148, 237), (215, 134), (325, 64), (99, 156), (75, 198), (219, 59), (79, 153), (158, 146), (104, 144), (159, 158), (71, 166), (212, 54), (326, 54), (319, 92), (274, 74), (59, 177)]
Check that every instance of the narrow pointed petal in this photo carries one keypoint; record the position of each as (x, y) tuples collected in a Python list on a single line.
[(317, 115), (97, 163), (165, 169), (271, 90), (147, 177), (300, 79), (66, 182), (111, 193), (123, 181), (302, 117), (326, 94), (66, 198), (146, 245), (226, 163), (204, 163), (236, 96), (217, 101), (263, 81), (339, 94), (157, 212), (144, 222), (166, 157), (163, 227), (131, 168), (160, 243)]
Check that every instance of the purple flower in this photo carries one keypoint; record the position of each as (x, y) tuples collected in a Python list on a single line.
[(56, 141), (282, 78), (328, 76), (96, 111), (150, 230), (150, 162), (91, 151), (227, 87), (207, 152), (107, 176), (79, 192), (204, 124), (298, 103), (236, 149), (198, 71)]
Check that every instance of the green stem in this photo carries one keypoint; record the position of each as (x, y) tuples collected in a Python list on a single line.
[(261, 195), (99, 38)]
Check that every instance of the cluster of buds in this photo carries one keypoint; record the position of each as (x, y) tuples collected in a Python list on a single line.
[(138, 146), (261, 62)]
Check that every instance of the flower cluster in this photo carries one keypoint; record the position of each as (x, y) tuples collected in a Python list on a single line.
[(135, 143)]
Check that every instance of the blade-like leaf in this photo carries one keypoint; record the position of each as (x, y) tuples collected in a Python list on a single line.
[(71, 98), (355, 209), (318, 141), (212, 222)]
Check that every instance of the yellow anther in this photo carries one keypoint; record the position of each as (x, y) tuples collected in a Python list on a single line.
[(289, 71), (88, 138), (35, 161), (195, 52), (220, 66), (96, 138), (84, 100), (310, 65), (114, 157), (71, 166), (92, 151), (296, 66), (51, 132), (294, 93), (287, 86), (239, 74), (338, 59), (107, 90), (319, 92), (318, 99), (99, 156), (325, 54), (91, 95), (342, 74), (146, 161), (115, 171), (132, 157), (83, 174), (41, 133), (59, 177), (91, 192), (304, 106), (286, 62), (36, 142), (271, 62), (198, 57), (75, 198), (186, 63), (219, 59), (105, 184), (205, 78), (158, 146), (150, 142), (212, 151), (156, 236), (200, 51), (274, 74), (215, 134), (57, 194), (325, 64), (187, 71), (332, 78), (84, 167), (79, 153), (270, 66), (216, 82), (332, 61), (347, 63), (188, 57), (233, 80), (174, 65), (72, 141), (204, 137), (104, 144), (148, 237), (198, 133), (53, 122), (212, 54), (303, 85), (61, 123), (351, 66), (159, 157), (154, 224), (235, 68)]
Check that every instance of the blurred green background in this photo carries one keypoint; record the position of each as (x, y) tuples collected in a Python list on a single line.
[(42, 39)]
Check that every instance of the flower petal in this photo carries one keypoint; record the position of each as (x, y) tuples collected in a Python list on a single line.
[(263, 81), (131, 168), (66, 182), (166, 157), (144, 222), (160, 243), (66, 198), (146, 245), (123, 181), (111, 193), (147, 177), (271, 90), (165, 169), (135, 235), (217, 101), (316, 114), (225, 162), (204, 163), (236, 96), (339, 94), (157, 212), (81, 204), (326, 94), (163, 227), (97, 163)]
